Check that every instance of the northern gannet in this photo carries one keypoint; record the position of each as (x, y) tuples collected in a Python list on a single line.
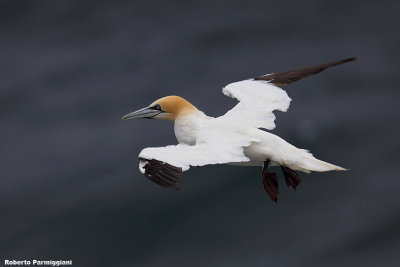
[(234, 138)]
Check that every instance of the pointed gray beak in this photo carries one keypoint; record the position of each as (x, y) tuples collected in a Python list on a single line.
[(147, 112)]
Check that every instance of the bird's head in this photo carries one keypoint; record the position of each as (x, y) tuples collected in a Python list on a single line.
[(166, 108)]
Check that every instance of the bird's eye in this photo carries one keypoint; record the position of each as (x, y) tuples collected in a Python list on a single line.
[(156, 107)]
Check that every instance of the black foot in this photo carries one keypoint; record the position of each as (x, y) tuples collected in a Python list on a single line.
[(270, 182), (291, 177)]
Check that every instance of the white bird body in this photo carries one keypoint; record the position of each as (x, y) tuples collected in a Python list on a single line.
[(234, 138), (264, 145)]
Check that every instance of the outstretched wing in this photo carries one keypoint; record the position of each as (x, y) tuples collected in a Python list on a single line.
[(165, 165), (259, 97), (257, 101)]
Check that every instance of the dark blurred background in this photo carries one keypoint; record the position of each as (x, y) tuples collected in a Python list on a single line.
[(70, 185)]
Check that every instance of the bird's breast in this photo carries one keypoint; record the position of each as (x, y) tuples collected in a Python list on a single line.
[(186, 128)]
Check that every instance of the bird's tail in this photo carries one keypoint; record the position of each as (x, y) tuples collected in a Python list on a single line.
[(310, 163)]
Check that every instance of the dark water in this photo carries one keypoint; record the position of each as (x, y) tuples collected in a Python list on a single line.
[(70, 186)]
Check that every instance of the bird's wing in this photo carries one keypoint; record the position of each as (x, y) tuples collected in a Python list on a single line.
[(257, 101), (260, 96), (165, 165)]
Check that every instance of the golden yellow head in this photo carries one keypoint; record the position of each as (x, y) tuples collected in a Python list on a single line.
[(173, 106), (167, 108)]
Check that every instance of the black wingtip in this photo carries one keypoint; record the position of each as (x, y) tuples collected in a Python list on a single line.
[(162, 173), (287, 77), (348, 59)]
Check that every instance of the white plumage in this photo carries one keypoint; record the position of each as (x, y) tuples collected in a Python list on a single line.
[(257, 101), (234, 138)]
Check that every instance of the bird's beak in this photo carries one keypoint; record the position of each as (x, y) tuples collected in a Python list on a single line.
[(146, 112)]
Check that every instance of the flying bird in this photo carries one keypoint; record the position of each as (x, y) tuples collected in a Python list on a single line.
[(236, 137)]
